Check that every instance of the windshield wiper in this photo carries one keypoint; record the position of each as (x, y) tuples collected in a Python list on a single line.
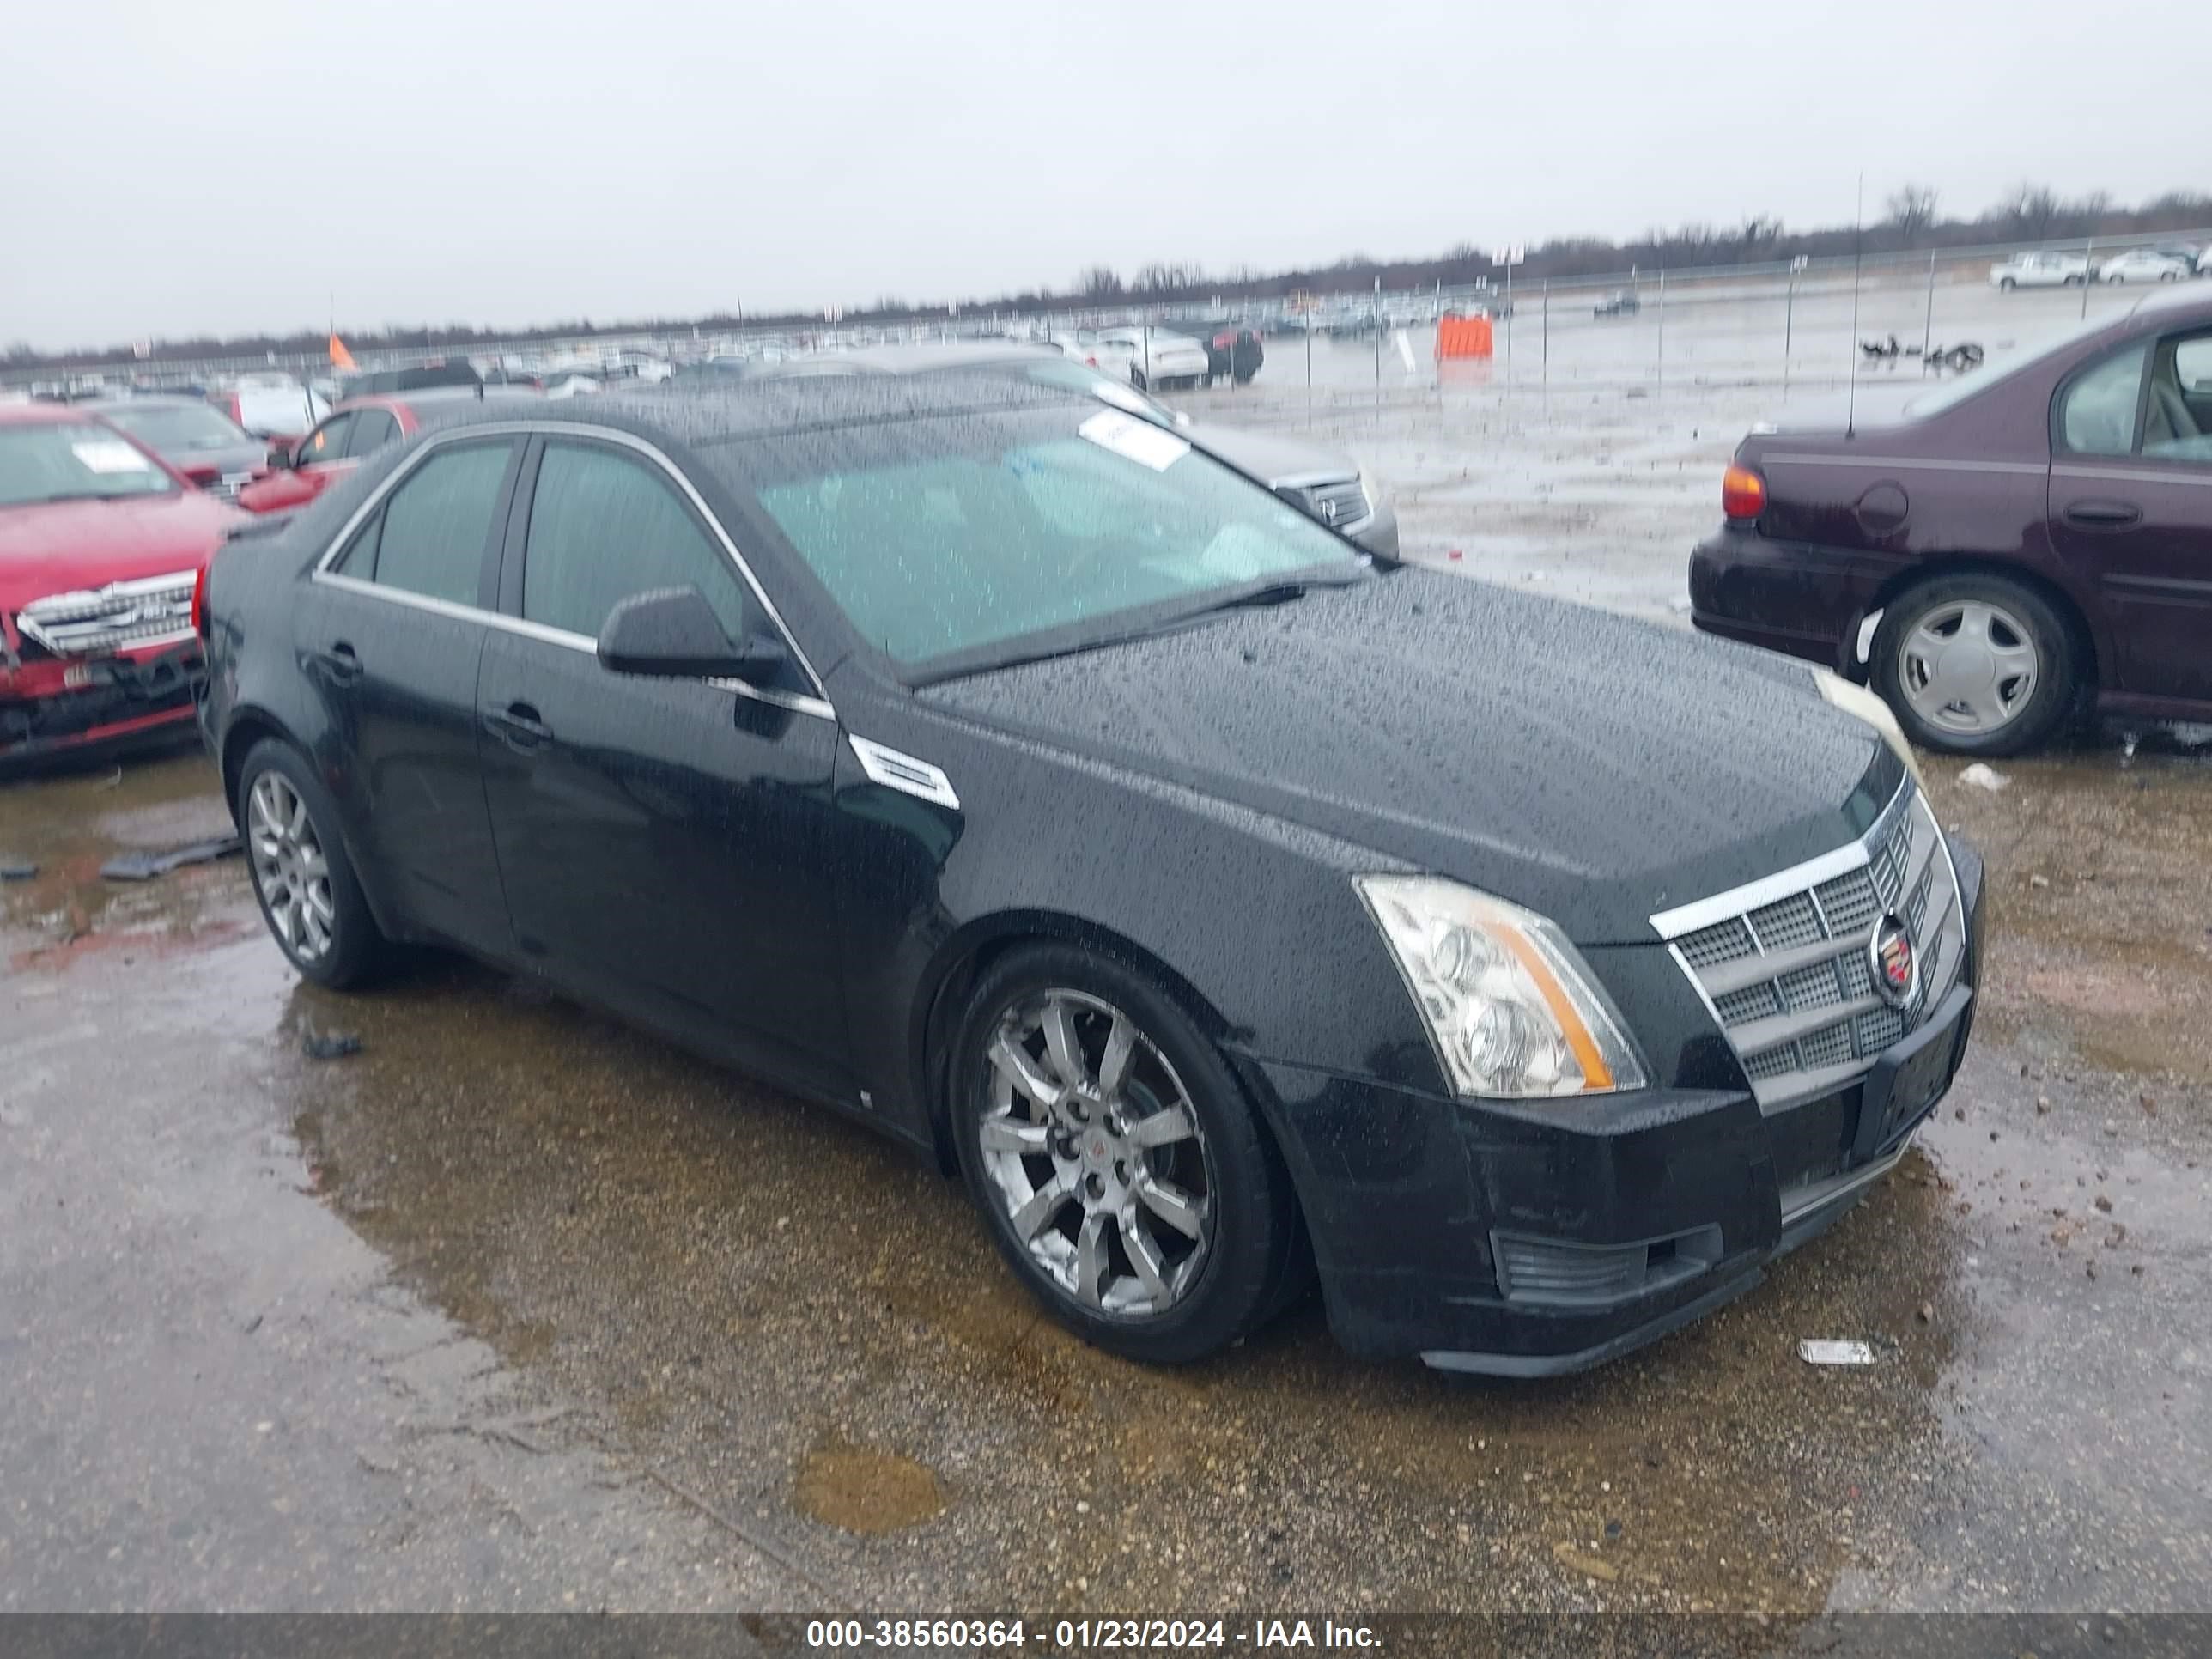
[(1279, 592)]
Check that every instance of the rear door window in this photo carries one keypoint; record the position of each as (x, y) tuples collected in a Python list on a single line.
[(2096, 409), (430, 535), (605, 526)]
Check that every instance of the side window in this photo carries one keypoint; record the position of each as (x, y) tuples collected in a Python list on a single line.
[(2177, 419), (372, 428), (327, 441), (2096, 409), (605, 526), (435, 524)]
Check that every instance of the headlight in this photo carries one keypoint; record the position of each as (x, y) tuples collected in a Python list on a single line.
[(1857, 700), (1511, 1009), (1376, 492)]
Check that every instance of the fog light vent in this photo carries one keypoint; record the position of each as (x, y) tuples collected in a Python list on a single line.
[(1564, 1273)]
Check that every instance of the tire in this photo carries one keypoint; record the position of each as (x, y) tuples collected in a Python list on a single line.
[(2006, 285), (276, 781), (1996, 712), (1204, 1292)]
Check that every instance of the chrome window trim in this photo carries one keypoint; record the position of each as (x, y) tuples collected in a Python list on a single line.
[(1783, 884), (2027, 469), (817, 704)]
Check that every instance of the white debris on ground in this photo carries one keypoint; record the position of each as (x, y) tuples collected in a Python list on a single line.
[(1978, 776)]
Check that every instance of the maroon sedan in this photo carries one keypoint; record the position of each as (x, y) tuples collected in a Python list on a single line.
[(1996, 555)]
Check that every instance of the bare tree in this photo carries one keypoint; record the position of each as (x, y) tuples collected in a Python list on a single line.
[(1911, 210), (1759, 230), (1099, 283), (2029, 210)]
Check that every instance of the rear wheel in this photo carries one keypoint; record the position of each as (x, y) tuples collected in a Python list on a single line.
[(308, 892), (1123, 1175), (1975, 665), (2006, 285)]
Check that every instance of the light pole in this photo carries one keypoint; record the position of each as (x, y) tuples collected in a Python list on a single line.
[(1789, 317), (1509, 257)]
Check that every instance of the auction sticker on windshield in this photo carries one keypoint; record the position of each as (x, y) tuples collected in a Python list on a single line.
[(1138, 440), (108, 455)]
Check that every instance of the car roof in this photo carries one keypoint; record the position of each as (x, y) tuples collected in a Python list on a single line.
[(149, 400), (435, 396), (2185, 297), (705, 414), (43, 414)]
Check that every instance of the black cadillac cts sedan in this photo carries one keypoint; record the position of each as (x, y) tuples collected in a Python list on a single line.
[(1227, 907)]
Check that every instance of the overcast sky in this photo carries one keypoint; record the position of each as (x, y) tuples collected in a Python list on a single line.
[(175, 166)]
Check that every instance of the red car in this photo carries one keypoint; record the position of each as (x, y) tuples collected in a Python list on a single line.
[(101, 544), (1993, 555), (354, 429)]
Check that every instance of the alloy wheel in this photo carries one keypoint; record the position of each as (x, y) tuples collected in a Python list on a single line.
[(289, 869), (1094, 1149), (1968, 667)]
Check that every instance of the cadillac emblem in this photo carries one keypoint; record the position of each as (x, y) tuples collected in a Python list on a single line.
[(1895, 961)]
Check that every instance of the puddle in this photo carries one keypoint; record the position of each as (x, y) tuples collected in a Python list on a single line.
[(69, 825), (869, 1492)]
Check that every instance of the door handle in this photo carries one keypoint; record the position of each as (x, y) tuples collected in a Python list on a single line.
[(341, 662), (2102, 515), (519, 725)]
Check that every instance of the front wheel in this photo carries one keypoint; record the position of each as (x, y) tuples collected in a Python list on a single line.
[(1123, 1175), (1975, 665), (305, 882), (2007, 286)]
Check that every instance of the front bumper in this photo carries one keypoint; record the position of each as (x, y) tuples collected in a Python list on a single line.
[(101, 705), (1532, 1241), (1801, 598)]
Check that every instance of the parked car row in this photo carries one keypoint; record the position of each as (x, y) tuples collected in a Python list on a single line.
[(2172, 263)]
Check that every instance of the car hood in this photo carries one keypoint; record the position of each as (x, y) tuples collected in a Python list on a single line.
[(64, 546), (1269, 458), (1590, 766)]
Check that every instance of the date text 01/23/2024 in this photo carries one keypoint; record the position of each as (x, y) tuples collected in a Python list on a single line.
[(1083, 1635)]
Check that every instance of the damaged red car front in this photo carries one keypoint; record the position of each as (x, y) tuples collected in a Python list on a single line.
[(101, 544)]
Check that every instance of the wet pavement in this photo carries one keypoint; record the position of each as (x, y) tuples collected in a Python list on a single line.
[(517, 1309), (516, 1306)]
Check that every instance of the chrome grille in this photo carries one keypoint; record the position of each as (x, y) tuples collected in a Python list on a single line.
[(1340, 504), (102, 621), (1790, 977)]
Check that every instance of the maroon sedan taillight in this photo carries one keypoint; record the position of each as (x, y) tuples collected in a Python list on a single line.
[(1743, 493)]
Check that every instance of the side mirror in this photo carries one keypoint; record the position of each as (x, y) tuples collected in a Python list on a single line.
[(1181, 419), (280, 456), (672, 632)]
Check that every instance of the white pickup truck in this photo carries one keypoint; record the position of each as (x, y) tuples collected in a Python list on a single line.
[(2041, 270)]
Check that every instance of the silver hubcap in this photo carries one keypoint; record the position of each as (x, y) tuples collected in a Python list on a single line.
[(1093, 1147), (288, 867), (1968, 666)]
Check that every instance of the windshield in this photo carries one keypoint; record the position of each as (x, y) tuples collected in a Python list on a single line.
[(71, 462), (173, 429), (944, 539), (1065, 374)]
